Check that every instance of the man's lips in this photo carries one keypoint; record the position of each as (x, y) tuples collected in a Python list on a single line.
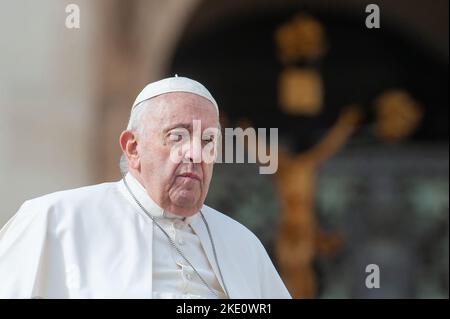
[(191, 175)]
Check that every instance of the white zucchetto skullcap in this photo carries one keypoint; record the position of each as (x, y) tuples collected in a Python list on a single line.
[(174, 84)]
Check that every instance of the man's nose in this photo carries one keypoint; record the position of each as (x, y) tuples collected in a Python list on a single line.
[(194, 151)]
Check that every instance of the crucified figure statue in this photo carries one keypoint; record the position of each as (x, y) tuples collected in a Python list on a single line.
[(299, 237)]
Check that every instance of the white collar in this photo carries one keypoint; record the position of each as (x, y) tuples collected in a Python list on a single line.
[(144, 198)]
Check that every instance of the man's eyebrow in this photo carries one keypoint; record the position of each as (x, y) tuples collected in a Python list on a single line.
[(178, 125)]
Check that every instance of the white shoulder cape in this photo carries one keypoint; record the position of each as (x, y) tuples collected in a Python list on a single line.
[(95, 242)]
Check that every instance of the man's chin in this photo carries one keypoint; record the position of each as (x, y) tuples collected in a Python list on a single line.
[(185, 206)]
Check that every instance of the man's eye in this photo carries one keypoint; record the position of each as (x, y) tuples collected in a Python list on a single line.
[(208, 139), (176, 137)]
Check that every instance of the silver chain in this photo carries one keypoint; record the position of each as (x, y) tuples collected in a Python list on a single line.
[(177, 249), (215, 253)]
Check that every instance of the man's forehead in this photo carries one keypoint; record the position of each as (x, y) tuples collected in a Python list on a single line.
[(180, 104), (180, 109)]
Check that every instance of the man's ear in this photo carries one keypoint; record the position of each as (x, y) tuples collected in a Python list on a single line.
[(128, 143)]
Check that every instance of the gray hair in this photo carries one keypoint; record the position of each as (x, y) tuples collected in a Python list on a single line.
[(123, 164), (136, 117)]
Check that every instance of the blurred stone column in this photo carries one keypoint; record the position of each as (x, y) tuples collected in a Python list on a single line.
[(47, 97)]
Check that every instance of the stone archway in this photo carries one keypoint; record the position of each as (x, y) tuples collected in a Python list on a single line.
[(141, 38)]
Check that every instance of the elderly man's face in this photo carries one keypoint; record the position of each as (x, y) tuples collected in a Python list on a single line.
[(180, 183)]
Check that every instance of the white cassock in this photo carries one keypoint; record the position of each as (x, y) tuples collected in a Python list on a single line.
[(96, 242)]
